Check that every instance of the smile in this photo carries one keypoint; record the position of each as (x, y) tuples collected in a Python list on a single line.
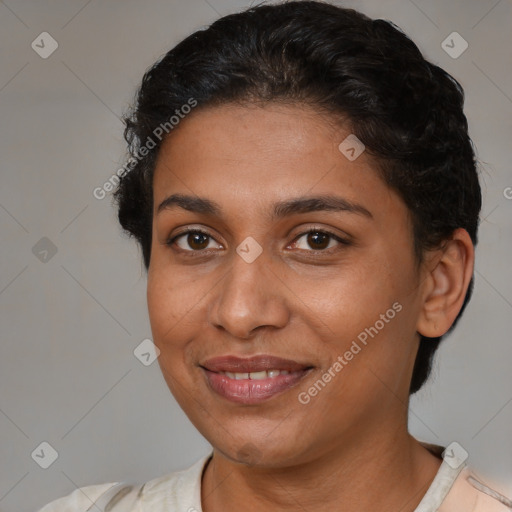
[(252, 380), (255, 375)]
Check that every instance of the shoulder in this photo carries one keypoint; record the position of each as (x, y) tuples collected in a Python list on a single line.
[(456, 488), (180, 490), (169, 492), (80, 499), (469, 493)]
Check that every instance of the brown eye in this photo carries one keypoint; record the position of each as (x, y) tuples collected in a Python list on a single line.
[(318, 240), (197, 240), (192, 240)]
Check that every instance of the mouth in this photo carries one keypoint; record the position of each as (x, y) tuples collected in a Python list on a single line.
[(252, 380)]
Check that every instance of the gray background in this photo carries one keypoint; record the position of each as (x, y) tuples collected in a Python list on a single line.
[(68, 373)]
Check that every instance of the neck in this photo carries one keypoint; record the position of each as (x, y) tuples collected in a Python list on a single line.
[(371, 472)]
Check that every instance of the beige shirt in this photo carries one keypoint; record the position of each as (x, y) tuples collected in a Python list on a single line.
[(454, 489)]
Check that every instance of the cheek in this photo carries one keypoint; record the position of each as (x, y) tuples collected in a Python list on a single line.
[(177, 306), (355, 295), (172, 297), (170, 303), (160, 304), (369, 303)]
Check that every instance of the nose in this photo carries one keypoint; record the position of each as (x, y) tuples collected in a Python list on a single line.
[(249, 297)]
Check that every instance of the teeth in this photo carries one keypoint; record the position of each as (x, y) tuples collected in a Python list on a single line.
[(256, 375)]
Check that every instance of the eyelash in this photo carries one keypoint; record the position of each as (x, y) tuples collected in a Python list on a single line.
[(322, 231)]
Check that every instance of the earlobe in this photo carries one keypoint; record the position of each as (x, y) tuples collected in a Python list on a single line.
[(446, 284)]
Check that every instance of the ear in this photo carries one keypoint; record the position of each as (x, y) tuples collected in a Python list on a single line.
[(449, 271)]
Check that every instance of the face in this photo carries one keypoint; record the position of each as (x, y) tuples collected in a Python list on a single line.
[(286, 325)]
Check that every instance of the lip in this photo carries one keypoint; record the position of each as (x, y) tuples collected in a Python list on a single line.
[(248, 391), (258, 363)]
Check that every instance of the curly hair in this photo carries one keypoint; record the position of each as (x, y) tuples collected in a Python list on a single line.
[(407, 111)]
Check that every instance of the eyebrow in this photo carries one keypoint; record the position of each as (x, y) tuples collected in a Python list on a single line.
[(305, 204)]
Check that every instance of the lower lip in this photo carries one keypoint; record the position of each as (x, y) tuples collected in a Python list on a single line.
[(247, 391)]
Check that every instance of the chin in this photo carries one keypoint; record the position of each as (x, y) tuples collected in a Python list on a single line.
[(259, 452)]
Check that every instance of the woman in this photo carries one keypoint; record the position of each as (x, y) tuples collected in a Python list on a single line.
[(305, 194)]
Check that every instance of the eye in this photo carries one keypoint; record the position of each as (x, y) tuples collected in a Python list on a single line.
[(195, 239), (318, 240)]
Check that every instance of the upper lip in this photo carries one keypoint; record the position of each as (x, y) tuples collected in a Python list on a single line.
[(259, 363)]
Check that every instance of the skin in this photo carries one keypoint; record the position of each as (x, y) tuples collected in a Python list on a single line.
[(349, 445)]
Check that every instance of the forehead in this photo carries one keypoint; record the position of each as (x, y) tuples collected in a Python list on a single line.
[(260, 132), (248, 157)]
